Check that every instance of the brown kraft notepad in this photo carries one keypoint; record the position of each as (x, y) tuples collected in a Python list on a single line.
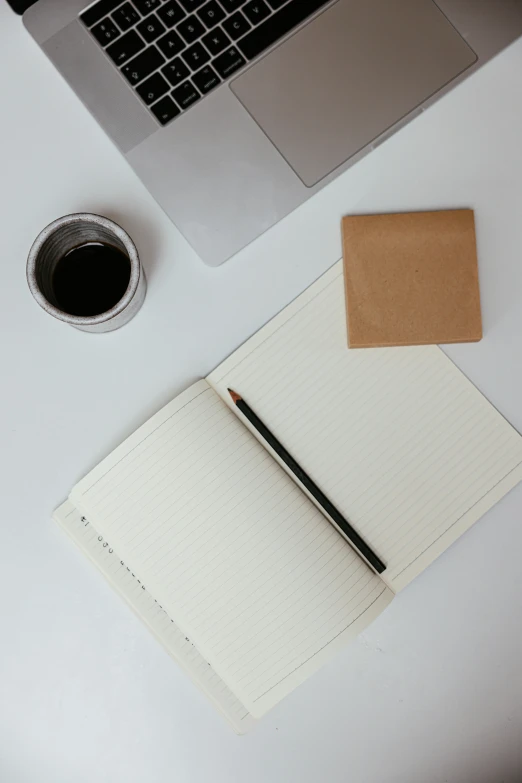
[(411, 279)]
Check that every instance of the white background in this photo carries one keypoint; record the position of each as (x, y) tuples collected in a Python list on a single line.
[(433, 690)]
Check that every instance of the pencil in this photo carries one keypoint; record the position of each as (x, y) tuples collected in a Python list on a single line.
[(326, 506)]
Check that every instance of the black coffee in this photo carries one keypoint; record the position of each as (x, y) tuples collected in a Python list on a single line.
[(90, 279)]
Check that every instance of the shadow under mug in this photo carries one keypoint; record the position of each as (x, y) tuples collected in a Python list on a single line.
[(67, 233)]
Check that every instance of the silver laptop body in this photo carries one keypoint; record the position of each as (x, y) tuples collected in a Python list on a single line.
[(261, 124)]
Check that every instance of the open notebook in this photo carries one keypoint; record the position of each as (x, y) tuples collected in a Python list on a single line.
[(223, 555)]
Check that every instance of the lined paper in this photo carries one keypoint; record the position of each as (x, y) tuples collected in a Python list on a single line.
[(135, 593), (397, 438), (240, 559)]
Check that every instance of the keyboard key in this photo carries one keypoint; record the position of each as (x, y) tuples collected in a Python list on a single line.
[(143, 65), (216, 41), (105, 32), (165, 110), (232, 5), (176, 72), (191, 5), (191, 29), (151, 28), (275, 4), (196, 56), (171, 44), (171, 13), (228, 62), (98, 11), (256, 11), (236, 25), (185, 95), (125, 47), (125, 16), (206, 79), (146, 6), (153, 88), (278, 25), (211, 14)]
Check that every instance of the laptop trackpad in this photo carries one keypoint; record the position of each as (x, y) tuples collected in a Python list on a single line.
[(349, 75)]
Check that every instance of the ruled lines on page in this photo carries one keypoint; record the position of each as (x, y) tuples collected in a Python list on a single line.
[(397, 438), (155, 617), (240, 558)]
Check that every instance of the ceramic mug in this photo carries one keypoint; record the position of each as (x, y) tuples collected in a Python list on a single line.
[(67, 234)]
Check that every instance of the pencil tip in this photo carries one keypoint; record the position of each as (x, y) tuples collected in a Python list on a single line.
[(234, 395)]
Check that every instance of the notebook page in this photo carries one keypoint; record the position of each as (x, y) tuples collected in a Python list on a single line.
[(237, 555), (397, 438), (178, 646)]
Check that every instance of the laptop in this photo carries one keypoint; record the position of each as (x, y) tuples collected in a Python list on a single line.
[(234, 112)]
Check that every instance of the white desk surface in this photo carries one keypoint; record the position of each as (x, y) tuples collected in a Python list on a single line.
[(432, 692)]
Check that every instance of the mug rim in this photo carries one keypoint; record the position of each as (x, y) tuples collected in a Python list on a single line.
[(99, 220)]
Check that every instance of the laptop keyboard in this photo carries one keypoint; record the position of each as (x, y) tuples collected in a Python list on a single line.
[(174, 52)]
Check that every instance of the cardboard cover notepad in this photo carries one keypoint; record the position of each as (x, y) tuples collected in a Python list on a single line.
[(411, 279)]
